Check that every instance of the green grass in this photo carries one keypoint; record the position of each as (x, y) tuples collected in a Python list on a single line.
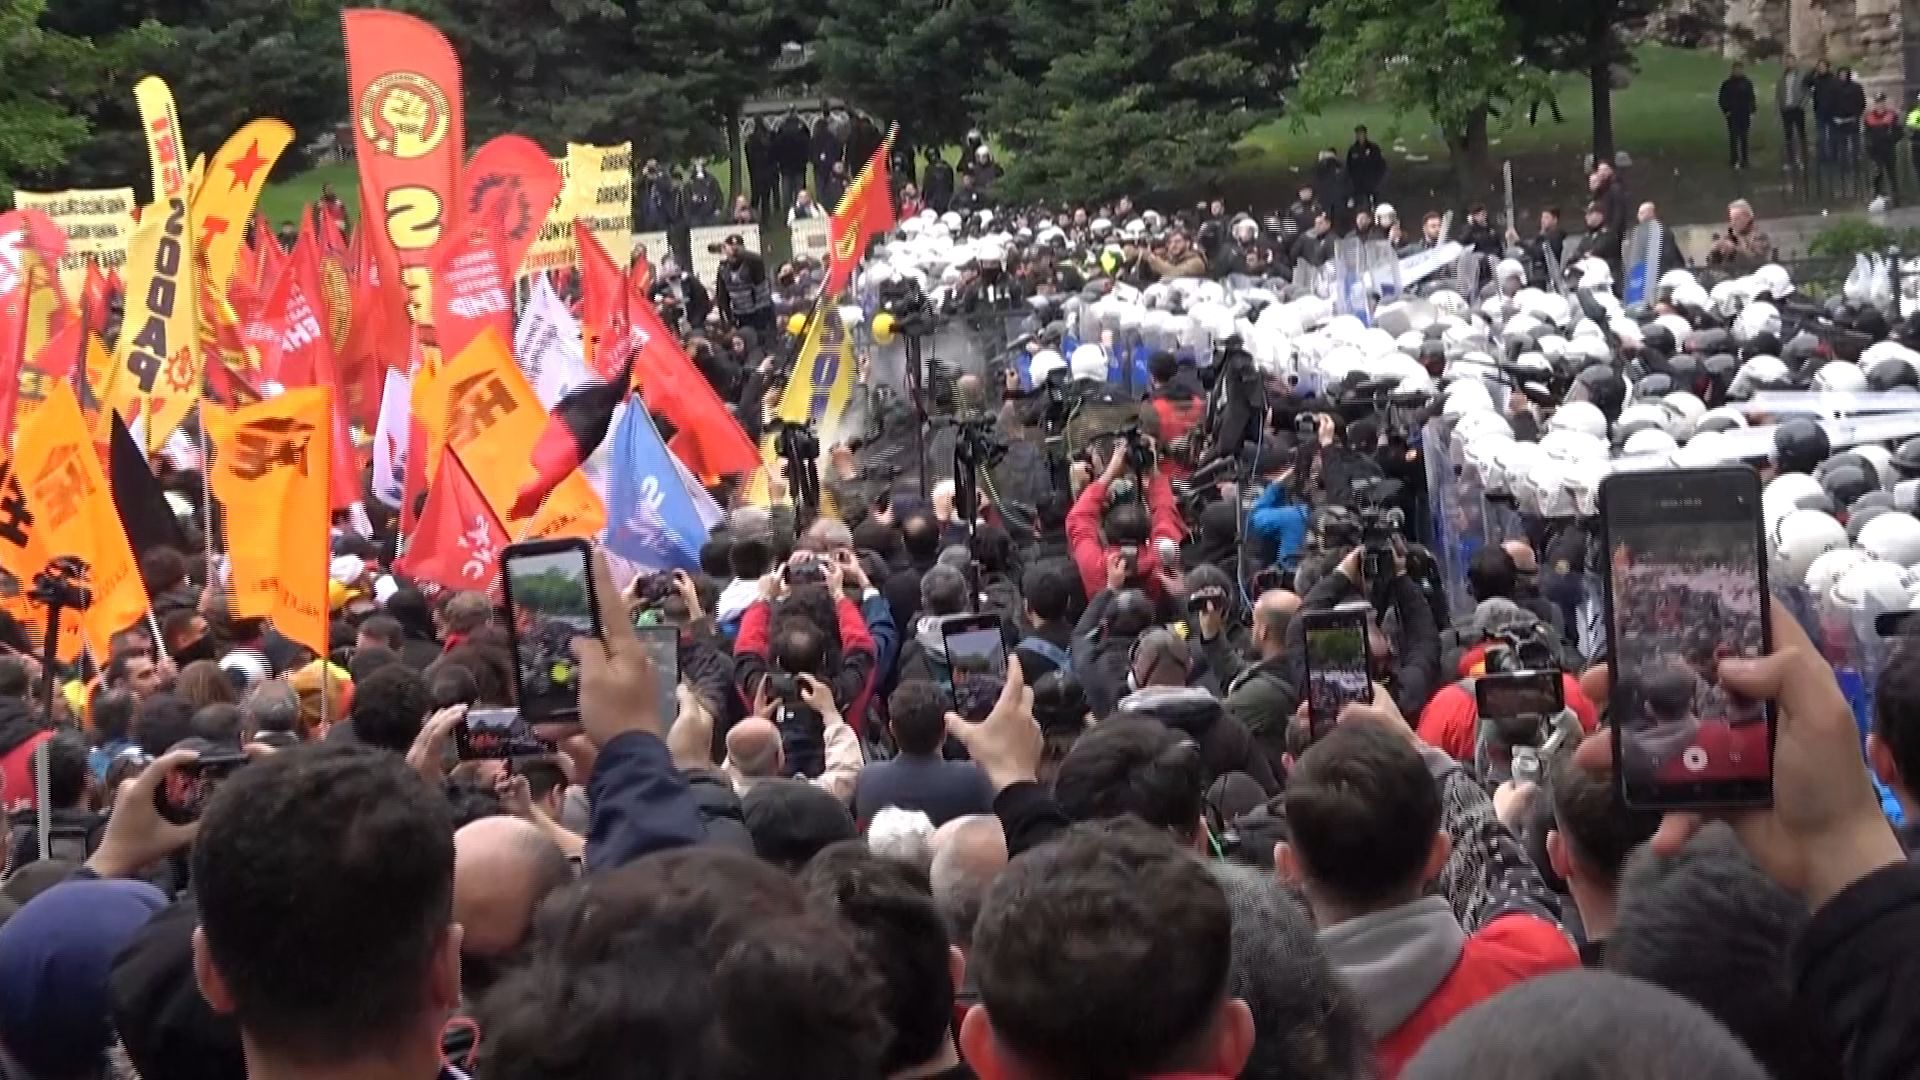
[(282, 202)]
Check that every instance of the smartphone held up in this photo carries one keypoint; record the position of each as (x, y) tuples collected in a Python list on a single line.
[(1686, 578), (550, 601)]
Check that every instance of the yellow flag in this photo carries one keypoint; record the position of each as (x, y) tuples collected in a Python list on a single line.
[(817, 393), (72, 506), (481, 406), (270, 474), (166, 148), (157, 367), (231, 189)]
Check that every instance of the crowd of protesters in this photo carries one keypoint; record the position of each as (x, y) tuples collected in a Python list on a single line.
[(1135, 856)]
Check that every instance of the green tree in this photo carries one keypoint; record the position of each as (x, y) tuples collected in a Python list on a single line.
[(50, 78), (1454, 60), (1153, 94), (916, 62)]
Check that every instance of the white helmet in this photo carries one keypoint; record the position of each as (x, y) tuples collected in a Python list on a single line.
[(1871, 587), (1675, 278), (1686, 411), (1677, 326), (1894, 537), (1483, 454), (1757, 318), (1774, 279), (1802, 536), (1510, 270), (1784, 494), (1581, 416), (1566, 445), (1583, 485), (1089, 361), (1467, 396), (1840, 377), (1044, 363), (1547, 489), (1595, 274), (1828, 567), (1480, 425), (1649, 441), (1882, 460)]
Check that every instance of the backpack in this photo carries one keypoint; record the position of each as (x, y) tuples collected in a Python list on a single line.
[(1061, 659)]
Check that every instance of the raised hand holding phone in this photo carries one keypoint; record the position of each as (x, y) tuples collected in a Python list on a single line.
[(619, 690)]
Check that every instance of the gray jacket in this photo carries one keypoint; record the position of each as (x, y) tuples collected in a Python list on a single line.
[(1790, 93)]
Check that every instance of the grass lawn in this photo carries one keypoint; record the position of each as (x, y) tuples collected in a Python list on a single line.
[(1665, 119)]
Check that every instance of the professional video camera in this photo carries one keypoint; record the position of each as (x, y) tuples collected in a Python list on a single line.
[(1140, 452), (62, 585), (799, 447)]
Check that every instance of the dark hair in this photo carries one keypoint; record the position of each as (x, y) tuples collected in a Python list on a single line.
[(1362, 810), (878, 537), (1133, 765), (1491, 573), (1048, 590), (66, 769), (1127, 524), (751, 556), (324, 875), (944, 590), (112, 714), (699, 962), (992, 547), (1591, 820), (889, 904), (1896, 710), (390, 707), (1163, 366), (15, 680), (450, 683), (173, 628), (1710, 926), (469, 800), (917, 712), (384, 629), (1128, 613), (369, 660), (798, 646), (491, 668), (218, 724), (716, 557), (921, 535), (160, 721), (116, 673), (1581, 1024), (1052, 509), (203, 683), (162, 568), (544, 776), (1066, 934)]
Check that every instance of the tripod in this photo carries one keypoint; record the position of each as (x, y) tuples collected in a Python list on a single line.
[(61, 586)]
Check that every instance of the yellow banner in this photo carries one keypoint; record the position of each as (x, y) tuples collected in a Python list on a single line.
[(597, 188), (817, 393), (270, 473), (72, 506), (482, 407), (166, 146), (224, 203), (98, 223), (157, 366)]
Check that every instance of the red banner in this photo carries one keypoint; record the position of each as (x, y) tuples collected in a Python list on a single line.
[(471, 293), (507, 190), (409, 130)]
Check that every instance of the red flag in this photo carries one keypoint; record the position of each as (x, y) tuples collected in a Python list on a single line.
[(603, 311), (575, 429), (866, 209), (269, 257), (675, 389), (456, 544), (382, 336), (289, 332), (93, 298), (507, 190), (471, 293)]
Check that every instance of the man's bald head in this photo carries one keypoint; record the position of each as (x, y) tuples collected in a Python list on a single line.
[(826, 535), (753, 746), (503, 868), (1272, 614), (1522, 555), (971, 391), (968, 854)]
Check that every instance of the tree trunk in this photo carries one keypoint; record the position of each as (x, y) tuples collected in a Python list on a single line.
[(1467, 151), (734, 156), (1600, 79)]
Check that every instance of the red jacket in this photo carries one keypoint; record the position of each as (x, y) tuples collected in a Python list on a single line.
[(1507, 951), (16, 775), (1450, 720), (1083, 532), (852, 684)]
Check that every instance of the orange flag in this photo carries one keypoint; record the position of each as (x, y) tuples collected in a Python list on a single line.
[(72, 507), (481, 407), (270, 475)]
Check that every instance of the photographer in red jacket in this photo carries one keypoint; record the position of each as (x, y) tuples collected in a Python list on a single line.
[(1094, 528)]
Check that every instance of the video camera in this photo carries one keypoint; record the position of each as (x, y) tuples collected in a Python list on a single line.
[(1140, 453), (62, 585)]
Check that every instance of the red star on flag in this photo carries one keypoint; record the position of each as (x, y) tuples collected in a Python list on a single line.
[(244, 168)]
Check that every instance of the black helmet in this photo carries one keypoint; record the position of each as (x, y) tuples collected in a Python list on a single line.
[(1846, 483), (1842, 459), (1800, 350), (1656, 337), (1656, 385), (1871, 321), (1906, 459), (1764, 343), (1718, 371), (1711, 340), (1800, 445), (1891, 371), (1603, 387)]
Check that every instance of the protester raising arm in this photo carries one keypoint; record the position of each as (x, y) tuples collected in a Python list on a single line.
[(639, 802), (1008, 746)]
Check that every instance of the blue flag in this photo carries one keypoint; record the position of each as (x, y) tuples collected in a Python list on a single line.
[(651, 520)]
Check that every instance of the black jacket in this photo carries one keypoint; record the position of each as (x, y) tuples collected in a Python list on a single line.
[(1416, 672), (1366, 166), (1100, 659), (1313, 249), (721, 817), (1858, 964), (1225, 746), (1736, 97), (936, 186), (790, 143)]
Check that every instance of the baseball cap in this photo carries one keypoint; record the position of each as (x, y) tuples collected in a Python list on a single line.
[(56, 953)]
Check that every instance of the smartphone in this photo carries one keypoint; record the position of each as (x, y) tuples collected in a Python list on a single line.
[(550, 601), (1686, 587), (804, 571), (496, 735), (182, 796), (977, 663), (663, 648), (1519, 695), (1337, 670)]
